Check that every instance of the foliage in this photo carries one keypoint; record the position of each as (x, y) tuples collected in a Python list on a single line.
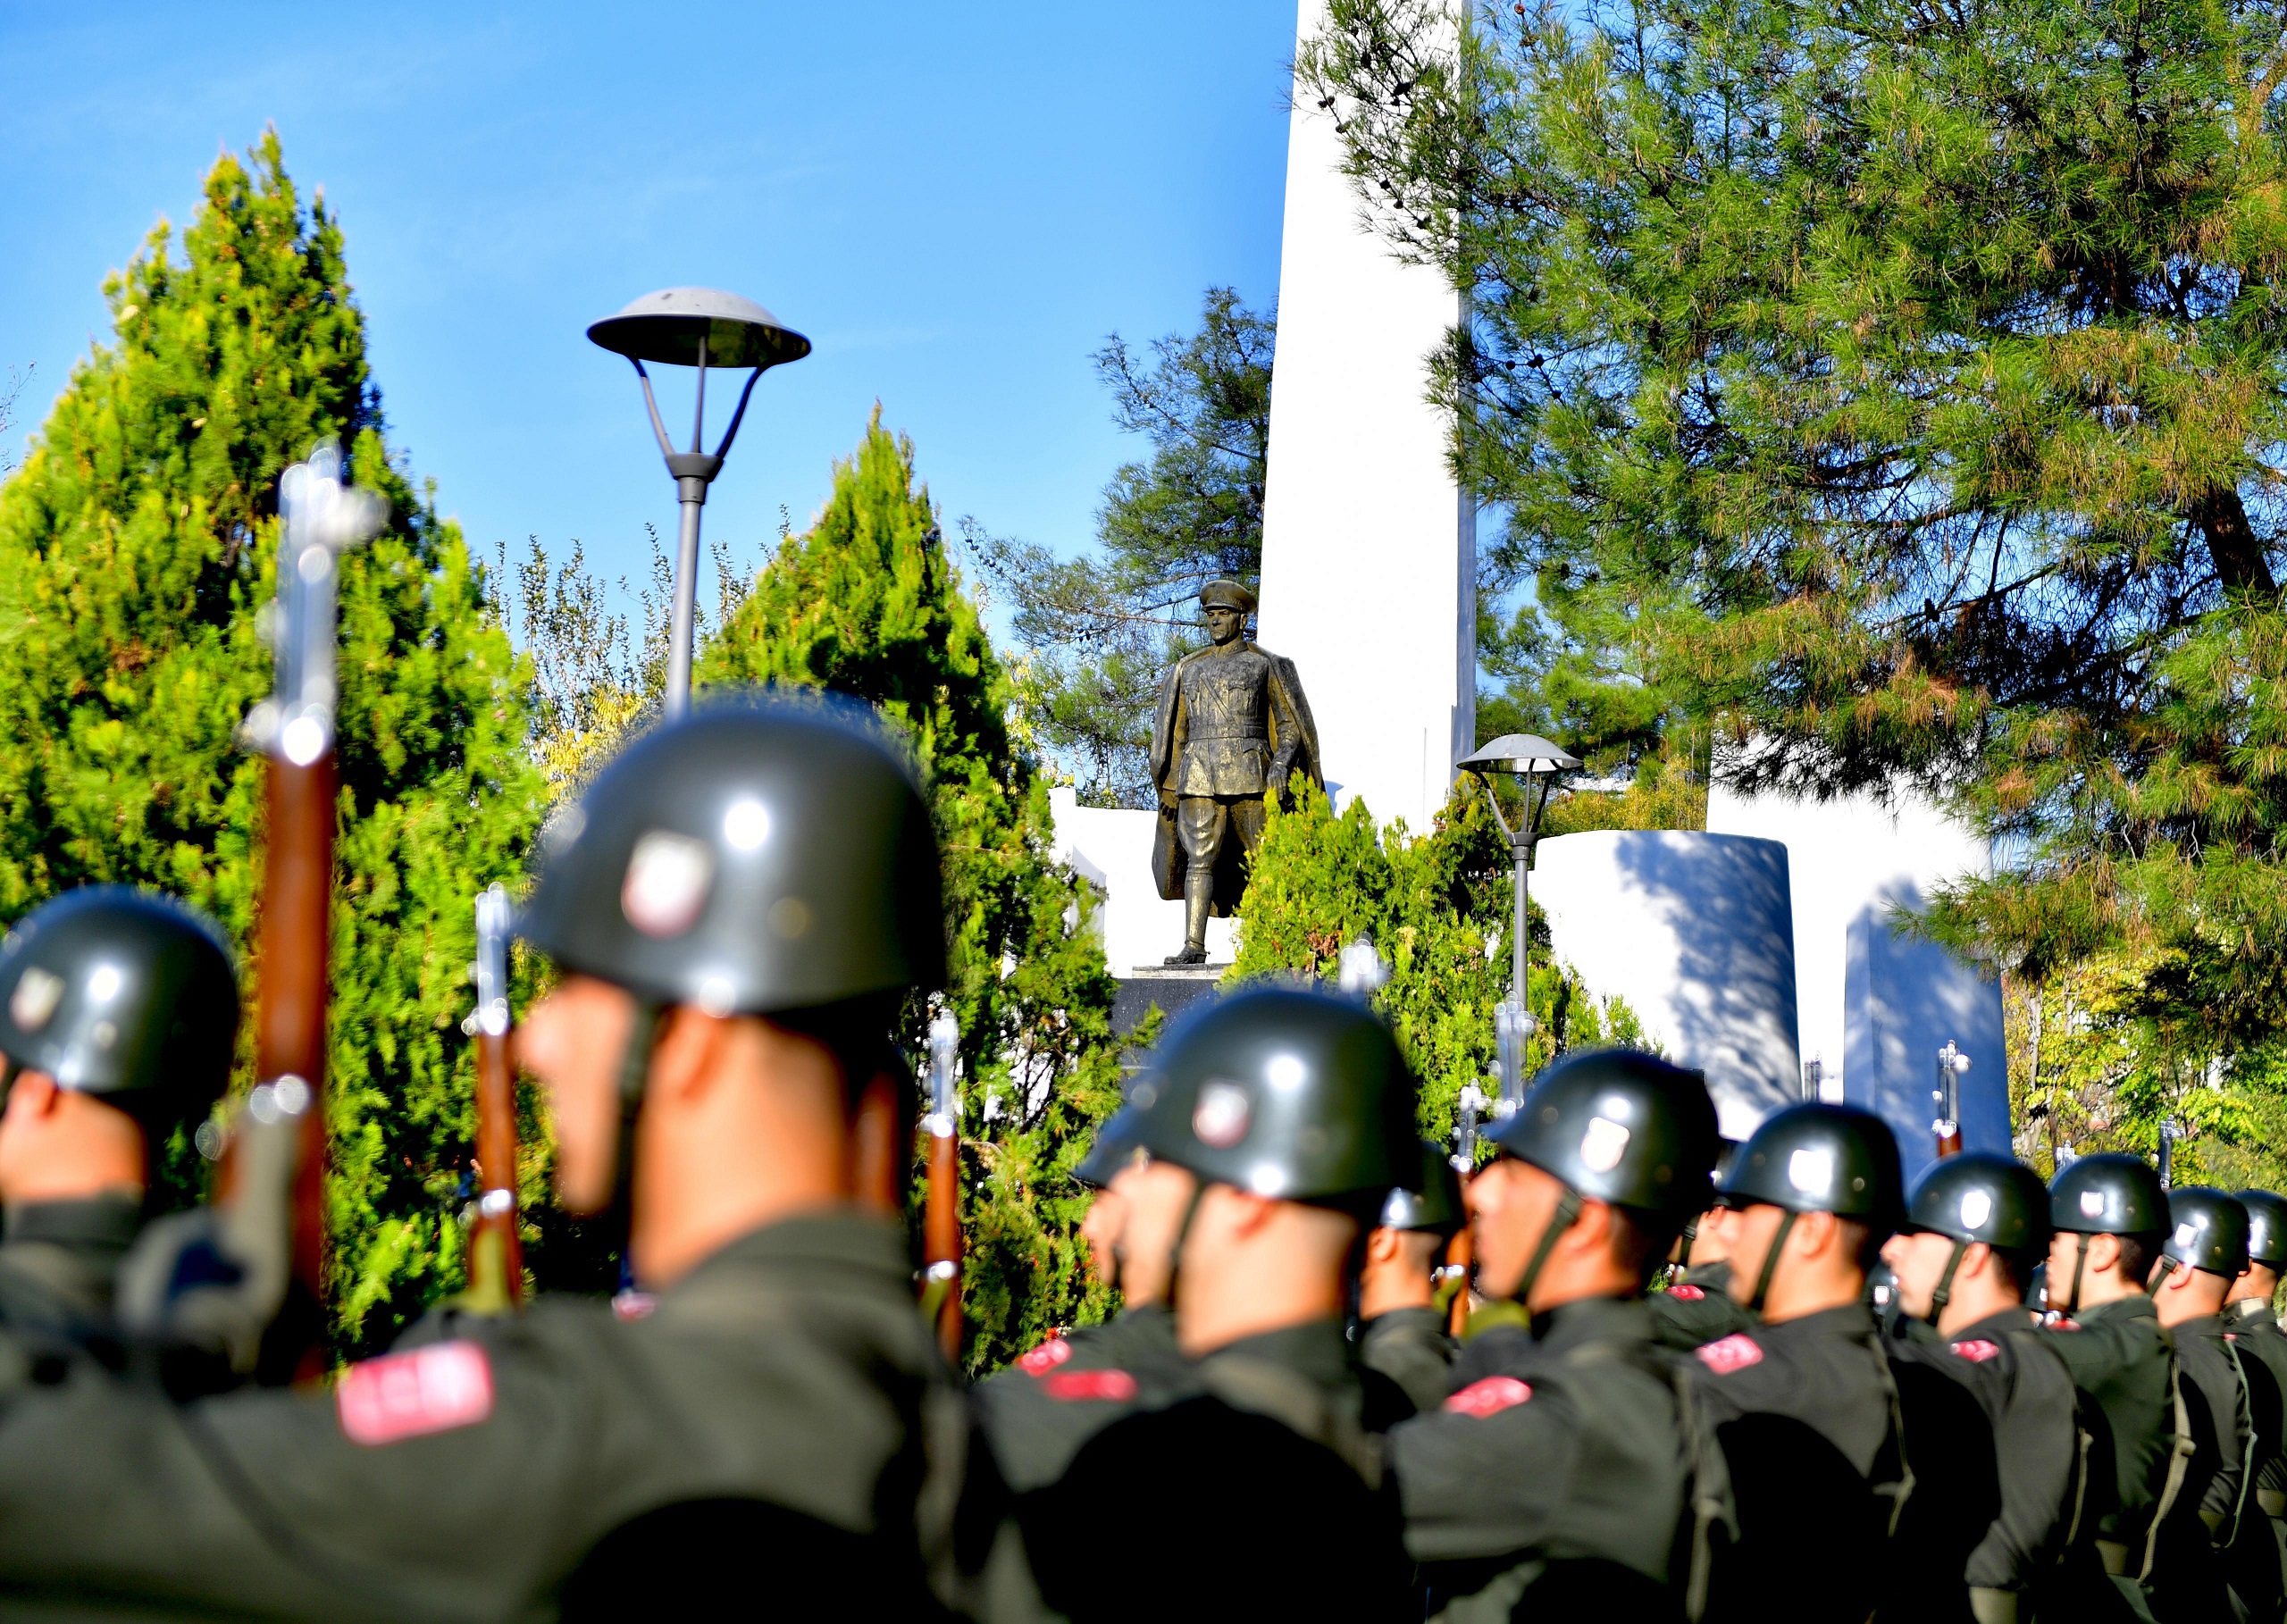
[(1100, 629), (1438, 908), (136, 543), (1913, 375), (867, 602)]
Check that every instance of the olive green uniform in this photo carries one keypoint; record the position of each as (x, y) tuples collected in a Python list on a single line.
[(59, 1264), (1412, 1348), (2243, 1409), (2254, 1329), (1552, 1480), (1698, 1310), (2039, 1549), (2123, 1359), (1035, 1425), (1245, 1481), (779, 1427)]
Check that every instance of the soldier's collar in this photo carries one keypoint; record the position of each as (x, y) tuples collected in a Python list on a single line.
[(848, 1246), (98, 1222), (2135, 1305), (1319, 1349), (1591, 1319), (2249, 1308)]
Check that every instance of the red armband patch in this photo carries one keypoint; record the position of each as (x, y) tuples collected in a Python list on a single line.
[(1046, 1356), (2064, 1324), (1978, 1352), (1736, 1351), (409, 1395), (1686, 1293), (1076, 1386), (1489, 1396)]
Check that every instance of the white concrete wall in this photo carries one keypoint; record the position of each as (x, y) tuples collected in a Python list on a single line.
[(1112, 849), (1368, 556), (1845, 856), (1696, 932)]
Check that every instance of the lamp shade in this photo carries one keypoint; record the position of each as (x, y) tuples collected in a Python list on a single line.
[(672, 324), (1519, 753)]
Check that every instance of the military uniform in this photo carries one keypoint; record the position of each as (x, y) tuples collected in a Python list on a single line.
[(59, 1264), (2123, 1359), (1554, 1478), (1699, 1308), (781, 1420), (1412, 1348), (2254, 1329), (1036, 1424)]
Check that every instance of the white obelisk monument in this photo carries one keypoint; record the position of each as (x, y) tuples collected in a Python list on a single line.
[(1370, 550)]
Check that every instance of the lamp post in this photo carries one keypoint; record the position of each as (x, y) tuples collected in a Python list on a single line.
[(697, 327), (1535, 760)]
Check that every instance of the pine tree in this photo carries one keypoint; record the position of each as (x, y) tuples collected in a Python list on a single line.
[(866, 602), (136, 544), (1912, 374)]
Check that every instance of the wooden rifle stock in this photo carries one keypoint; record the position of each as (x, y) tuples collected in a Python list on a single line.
[(495, 1264), (1459, 1256), (295, 728), (940, 1226)]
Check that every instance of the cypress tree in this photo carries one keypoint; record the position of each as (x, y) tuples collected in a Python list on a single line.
[(867, 601), (136, 544)]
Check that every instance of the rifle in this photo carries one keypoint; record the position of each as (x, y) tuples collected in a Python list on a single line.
[(941, 1292), (1951, 1064), (295, 728), (495, 1252), (1452, 1281)]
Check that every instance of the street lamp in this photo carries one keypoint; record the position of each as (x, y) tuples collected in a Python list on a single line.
[(1533, 759), (701, 327)]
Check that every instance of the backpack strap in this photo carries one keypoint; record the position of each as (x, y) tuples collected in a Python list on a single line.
[(2245, 1408), (2181, 1450), (1894, 1482), (1709, 1501)]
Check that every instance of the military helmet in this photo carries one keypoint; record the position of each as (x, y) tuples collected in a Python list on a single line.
[(1115, 1147), (2267, 1228), (1821, 1158), (2111, 1194), (763, 853), (122, 993), (1620, 1126), (1285, 1092), (2208, 1229), (1983, 1196), (1436, 1207)]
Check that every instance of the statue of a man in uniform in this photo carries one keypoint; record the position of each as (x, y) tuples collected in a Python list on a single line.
[(1232, 724)]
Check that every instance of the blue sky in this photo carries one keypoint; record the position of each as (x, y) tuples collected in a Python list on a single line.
[(955, 203)]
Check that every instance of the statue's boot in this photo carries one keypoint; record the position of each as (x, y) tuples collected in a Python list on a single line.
[(1198, 899)]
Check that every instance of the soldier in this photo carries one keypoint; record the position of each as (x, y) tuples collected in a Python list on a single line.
[(2206, 1250), (2253, 1325), (1835, 1451), (1276, 1122), (1698, 1307), (1552, 1482), (1231, 725), (119, 1010), (1977, 1225), (1401, 1328), (739, 905), (2109, 1213)]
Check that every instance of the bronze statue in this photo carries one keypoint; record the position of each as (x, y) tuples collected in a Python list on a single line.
[(1232, 725)]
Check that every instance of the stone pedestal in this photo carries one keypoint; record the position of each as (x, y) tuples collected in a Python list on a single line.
[(1173, 988)]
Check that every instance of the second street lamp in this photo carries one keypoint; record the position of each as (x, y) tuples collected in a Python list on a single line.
[(697, 327), (1534, 760)]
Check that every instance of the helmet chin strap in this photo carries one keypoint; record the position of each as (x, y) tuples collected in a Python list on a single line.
[(1771, 1261), (1567, 1214), (1945, 1292), (635, 1069), (2080, 1267), (1183, 1233)]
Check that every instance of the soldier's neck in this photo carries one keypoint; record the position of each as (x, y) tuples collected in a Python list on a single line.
[(2258, 1284)]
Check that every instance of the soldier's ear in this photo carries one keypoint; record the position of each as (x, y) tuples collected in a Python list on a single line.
[(33, 1095)]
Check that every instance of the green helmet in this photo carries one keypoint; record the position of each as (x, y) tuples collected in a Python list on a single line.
[(1114, 1148), (763, 853), (1620, 1126), (1436, 1208), (2208, 1230), (1300, 1095), (2267, 1228), (1819, 1158), (2112, 1194), (1983, 1196), (125, 994)]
